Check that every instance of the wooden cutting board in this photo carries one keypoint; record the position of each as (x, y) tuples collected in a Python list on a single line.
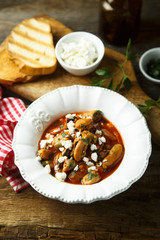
[(60, 78)]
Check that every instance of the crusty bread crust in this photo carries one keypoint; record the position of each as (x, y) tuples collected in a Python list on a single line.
[(9, 71), (30, 46)]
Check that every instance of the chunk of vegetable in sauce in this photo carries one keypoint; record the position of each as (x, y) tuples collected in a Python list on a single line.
[(81, 148)]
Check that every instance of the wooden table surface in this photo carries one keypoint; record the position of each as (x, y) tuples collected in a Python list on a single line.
[(134, 214)]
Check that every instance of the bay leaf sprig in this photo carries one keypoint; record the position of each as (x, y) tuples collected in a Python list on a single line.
[(148, 105), (104, 73)]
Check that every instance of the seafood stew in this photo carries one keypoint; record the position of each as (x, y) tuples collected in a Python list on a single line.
[(81, 148)]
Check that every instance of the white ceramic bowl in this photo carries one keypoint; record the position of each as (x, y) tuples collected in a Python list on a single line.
[(122, 113), (147, 56), (74, 37)]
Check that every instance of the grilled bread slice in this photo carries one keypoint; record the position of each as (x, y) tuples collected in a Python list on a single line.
[(30, 46), (9, 71)]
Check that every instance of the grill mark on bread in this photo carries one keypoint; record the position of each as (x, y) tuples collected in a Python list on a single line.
[(29, 37), (27, 24), (31, 47), (31, 50)]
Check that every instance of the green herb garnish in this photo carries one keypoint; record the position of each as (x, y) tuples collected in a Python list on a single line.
[(61, 126), (148, 105), (44, 163), (89, 175), (153, 68), (63, 134), (82, 125), (85, 140), (104, 73)]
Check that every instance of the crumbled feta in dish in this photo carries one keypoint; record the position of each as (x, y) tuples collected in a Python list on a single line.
[(76, 168), (47, 168), (101, 140), (48, 135), (93, 168), (67, 144), (56, 168), (79, 54), (94, 156), (50, 140), (86, 160), (61, 159), (93, 147), (61, 149), (90, 163), (99, 164), (70, 116), (61, 176), (78, 134), (70, 124), (43, 143), (71, 127), (99, 132)]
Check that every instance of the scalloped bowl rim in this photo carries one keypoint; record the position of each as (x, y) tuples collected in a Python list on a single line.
[(41, 113)]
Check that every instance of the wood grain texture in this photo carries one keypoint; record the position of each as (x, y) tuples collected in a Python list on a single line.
[(132, 215)]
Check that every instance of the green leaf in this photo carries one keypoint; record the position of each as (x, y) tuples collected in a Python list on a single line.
[(128, 48), (127, 84), (97, 82), (101, 72), (85, 140), (104, 72), (61, 126), (110, 85), (150, 103), (44, 163), (89, 175), (158, 100), (63, 134), (144, 109), (120, 83)]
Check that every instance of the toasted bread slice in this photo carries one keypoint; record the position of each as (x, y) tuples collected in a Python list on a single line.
[(30, 46), (9, 71)]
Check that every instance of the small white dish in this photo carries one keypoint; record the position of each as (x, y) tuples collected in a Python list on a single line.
[(74, 37), (147, 56), (123, 114)]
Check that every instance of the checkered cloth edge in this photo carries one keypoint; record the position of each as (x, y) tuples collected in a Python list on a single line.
[(11, 110)]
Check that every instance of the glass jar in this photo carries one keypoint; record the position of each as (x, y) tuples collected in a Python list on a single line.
[(119, 20)]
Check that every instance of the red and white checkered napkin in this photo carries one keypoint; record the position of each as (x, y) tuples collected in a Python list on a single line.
[(10, 112)]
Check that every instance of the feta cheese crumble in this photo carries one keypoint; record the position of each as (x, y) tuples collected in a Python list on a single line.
[(86, 160), (94, 156), (70, 126), (61, 149), (76, 168), (93, 147), (61, 159), (101, 140), (79, 54), (99, 132), (67, 144), (61, 176), (70, 116), (93, 168)]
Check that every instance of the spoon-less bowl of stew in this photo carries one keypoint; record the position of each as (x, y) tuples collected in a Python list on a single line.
[(81, 144)]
